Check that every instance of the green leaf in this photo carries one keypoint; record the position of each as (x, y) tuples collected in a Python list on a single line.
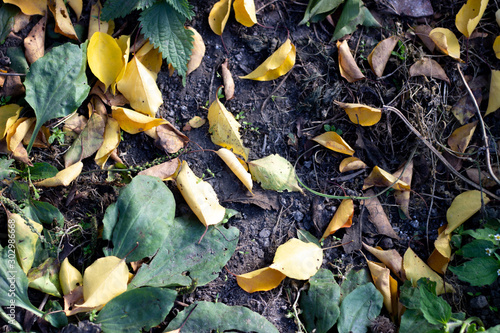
[(353, 280), (410, 296), (58, 319), (320, 304), (359, 308), (164, 26), (7, 13), (478, 271), (275, 173), (307, 237), (136, 310), (495, 329), (43, 212), (88, 141), (56, 84), (46, 278), (317, 10), (144, 214), (413, 321), (218, 317), (5, 168), (18, 60), (353, 14), (181, 253), (183, 7), (120, 8), (483, 233), (476, 248), (42, 170), (435, 309)]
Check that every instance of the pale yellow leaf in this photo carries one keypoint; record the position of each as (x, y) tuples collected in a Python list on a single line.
[(134, 122), (150, 57), (347, 65), (110, 143), (351, 163), (8, 116), (263, 279), (333, 141), (275, 173), (200, 196), (17, 132), (496, 47), (446, 41), (441, 256), (244, 12), (463, 207), (25, 240), (219, 15), (69, 277), (225, 129), (380, 55), (63, 21), (197, 52), (469, 16), (494, 99), (380, 177), (361, 114), (341, 219), (497, 16), (196, 122), (30, 7), (77, 6), (297, 259), (387, 286), (34, 43), (95, 24), (391, 258), (460, 138), (236, 167), (63, 177), (278, 64), (105, 58)]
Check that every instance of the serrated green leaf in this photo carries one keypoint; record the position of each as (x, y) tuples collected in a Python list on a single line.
[(56, 84), (7, 13), (218, 317), (120, 8), (358, 308), (5, 168), (478, 271), (164, 26), (435, 309), (183, 7), (136, 310), (317, 10), (476, 248)]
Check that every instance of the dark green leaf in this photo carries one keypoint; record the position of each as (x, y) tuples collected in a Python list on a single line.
[(181, 253), (58, 319), (88, 141), (136, 310), (18, 60), (56, 84), (46, 278), (307, 237), (353, 280), (353, 14), (164, 26), (435, 309), (476, 248), (483, 233), (359, 308), (119, 8), (317, 10), (42, 170), (5, 168), (320, 304), (183, 7), (413, 321), (218, 317), (478, 271), (7, 13), (43, 212), (410, 296), (495, 329), (144, 214)]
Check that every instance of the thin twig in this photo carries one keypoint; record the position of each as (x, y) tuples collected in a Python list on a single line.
[(12, 74), (271, 94)]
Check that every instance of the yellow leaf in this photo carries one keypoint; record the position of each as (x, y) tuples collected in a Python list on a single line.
[(197, 52), (263, 279), (494, 99), (69, 277), (351, 163), (236, 167), (225, 129), (244, 12), (30, 7), (347, 65), (341, 219), (105, 58), (403, 197), (463, 207), (297, 259), (26, 239), (63, 177), (380, 55), (380, 177), (391, 258), (124, 43), (200, 196), (460, 138), (441, 256), (278, 64), (95, 24), (134, 122), (387, 286), (361, 114), (138, 86), (105, 279), (196, 122), (63, 21), (18, 131), (415, 269), (8, 116), (333, 141), (496, 47), (446, 41), (150, 57), (218, 16), (469, 16), (110, 143), (77, 6)]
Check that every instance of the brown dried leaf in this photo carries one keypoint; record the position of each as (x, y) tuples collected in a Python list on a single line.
[(164, 171), (267, 200), (422, 31), (227, 78), (378, 216), (391, 258), (486, 179), (347, 65), (13, 87), (34, 43), (460, 138), (170, 139), (403, 197), (107, 97), (464, 109), (21, 20), (430, 68), (380, 55)]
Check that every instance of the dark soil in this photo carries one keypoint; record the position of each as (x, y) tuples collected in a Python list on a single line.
[(280, 117)]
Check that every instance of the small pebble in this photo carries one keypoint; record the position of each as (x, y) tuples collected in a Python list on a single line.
[(479, 302), (265, 233), (386, 243)]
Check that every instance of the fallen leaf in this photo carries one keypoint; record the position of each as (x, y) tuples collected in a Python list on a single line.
[(236, 167), (422, 31), (63, 177), (13, 87), (482, 177), (200, 196), (45, 277), (341, 219), (134, 122), (95, 24), (318, 10), (164, 171), (361, 114), (380, 55), (446, 41), (460, 138), (104, 56), (496, 47), (347, 65), (494, 99), (73, 298), (441, 256), (17, 132), (111, 140), (275, 173), (30, 7), (378, 216), (278, 64), (469, 16), (25, 240), (415, 269), (333, 141), (69, 277), (380, 177), (263, 279), (196, 122), (34, 43), (465, 109), (297, 259), (244, 12), (107, 97), (150, 57), (75, 123), (197, 52), (391, 258), (77, 6), (21, 20), (353, 14), (21, 154), (463, 207), (428, 67), (263, 199), (225, 129), (387, 286), (227, 78), (169, 138), (403, 197), (63, 21), (351, 163), (8, 116), (41, 140), (219, 15)]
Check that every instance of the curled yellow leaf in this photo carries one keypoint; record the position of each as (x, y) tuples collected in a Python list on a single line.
[(236, 167), (391, 258), (441, 256), (17, 132), (30, 7), (278, 64), (380, 177), (197, 52), (361, 114), (460, 138), (333, 141), (227, 78), (105, 58), (351, 163), (446, 41), (494, 99), (64, 25), (341, 219), (134, 122), (386, 284), (297, 259), (150, 57), (347, 65), (8, 116), (77, 6), (263, 279), (403, 197), (110, 143), (219, 15), (69, 277), (26, 240), (463, 207), (496, 47), (469, 16), (244, 12), (63, 177)]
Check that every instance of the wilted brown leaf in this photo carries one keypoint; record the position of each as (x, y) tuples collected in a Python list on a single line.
[(34, 43), (428, 67), (391, 258), (378, 216), (379, 56), (403, 197), (347, 65), (422, 31), (228, 80), (164, 171), (460, 138)]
